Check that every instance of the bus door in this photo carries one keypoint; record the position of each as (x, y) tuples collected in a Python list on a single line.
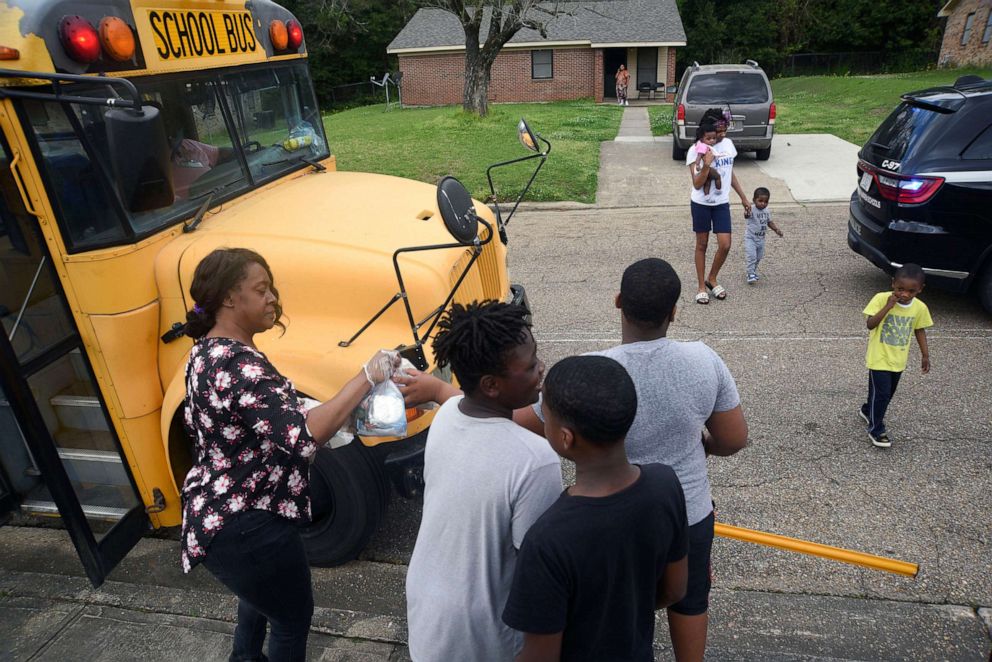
[(59, 456)]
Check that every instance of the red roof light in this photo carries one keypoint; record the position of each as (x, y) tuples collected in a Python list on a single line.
[(295, 31), (80, 39)]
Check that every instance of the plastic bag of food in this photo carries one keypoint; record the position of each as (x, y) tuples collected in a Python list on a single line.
[(382, 413)]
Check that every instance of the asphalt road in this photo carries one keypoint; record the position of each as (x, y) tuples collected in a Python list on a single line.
[(795, 343)]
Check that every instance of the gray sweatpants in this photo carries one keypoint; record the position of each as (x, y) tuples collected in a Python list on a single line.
[(754, 250)]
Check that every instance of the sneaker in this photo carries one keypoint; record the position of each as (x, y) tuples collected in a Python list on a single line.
[(752, 278), (881, 440), (626, 102), (864, 416)]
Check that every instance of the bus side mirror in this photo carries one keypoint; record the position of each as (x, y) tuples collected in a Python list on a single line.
[(140, 158), (527, 137)]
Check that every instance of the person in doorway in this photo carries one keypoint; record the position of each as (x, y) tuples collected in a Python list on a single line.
[(612, 549), (893, 318), (486, 481), (623, 82), (688, 408), (247, 493), (711, 212)]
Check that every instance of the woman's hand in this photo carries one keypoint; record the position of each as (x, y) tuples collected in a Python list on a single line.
[(381, 366)]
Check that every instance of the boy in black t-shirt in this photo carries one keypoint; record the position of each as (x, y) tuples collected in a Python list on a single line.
[(612, 549)]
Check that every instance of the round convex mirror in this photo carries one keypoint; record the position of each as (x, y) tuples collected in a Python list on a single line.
[(527, 137), (457, 210)]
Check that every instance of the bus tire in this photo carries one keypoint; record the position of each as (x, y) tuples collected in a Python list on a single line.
[(348, 494)]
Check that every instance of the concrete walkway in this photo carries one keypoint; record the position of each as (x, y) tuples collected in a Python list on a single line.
[(148, 610), (636, 169)]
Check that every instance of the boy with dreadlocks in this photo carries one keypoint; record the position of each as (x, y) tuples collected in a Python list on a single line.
[(486, 481)]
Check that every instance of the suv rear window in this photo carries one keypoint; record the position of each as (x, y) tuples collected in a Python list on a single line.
[(904, 127), (727, 87)]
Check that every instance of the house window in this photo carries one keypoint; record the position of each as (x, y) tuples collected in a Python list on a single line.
[(541, 64), (967, 28), (988, 29)]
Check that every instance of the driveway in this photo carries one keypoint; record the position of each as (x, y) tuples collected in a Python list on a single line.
[(637, 170)]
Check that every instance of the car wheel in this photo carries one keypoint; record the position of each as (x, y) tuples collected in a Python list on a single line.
[(677, 153), (349, 494), (983, 287), (763, 154)]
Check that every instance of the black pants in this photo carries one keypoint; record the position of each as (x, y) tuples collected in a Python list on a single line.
[(881, 387), (260, 557)]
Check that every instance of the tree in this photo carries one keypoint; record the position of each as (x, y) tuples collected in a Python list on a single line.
[(498, 20)]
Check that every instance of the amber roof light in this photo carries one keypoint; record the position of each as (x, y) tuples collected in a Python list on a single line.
[(117, 38), (278, 35)]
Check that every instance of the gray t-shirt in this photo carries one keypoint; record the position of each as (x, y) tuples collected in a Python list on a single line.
[(679, 386), (757, 222), (487, 480)]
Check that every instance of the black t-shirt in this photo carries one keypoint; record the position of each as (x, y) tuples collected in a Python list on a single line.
[(589, 566)]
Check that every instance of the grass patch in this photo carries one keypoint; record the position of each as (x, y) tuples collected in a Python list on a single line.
[(428, 143), (661, 119), (850, 107)]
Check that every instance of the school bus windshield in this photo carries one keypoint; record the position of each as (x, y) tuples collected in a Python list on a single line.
[(227, 132)]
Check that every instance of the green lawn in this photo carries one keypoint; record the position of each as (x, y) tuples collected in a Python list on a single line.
[(661, 119), (850, 107), (428, 143)]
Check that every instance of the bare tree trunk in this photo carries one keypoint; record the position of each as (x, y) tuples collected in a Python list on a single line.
[(475, 97)]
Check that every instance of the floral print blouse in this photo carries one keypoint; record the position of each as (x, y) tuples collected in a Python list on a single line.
[(252, 448)]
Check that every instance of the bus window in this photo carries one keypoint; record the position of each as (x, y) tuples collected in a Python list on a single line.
[(276, 119), (79, 191)]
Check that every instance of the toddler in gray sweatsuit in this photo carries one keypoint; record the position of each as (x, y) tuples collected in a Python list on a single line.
[(759, 220)]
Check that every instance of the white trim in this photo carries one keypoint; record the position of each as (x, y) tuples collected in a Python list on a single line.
[(947, 9), (639, 44), (539, 45), (961, 176)]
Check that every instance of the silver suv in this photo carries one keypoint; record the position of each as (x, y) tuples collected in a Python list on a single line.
[(743, 89)]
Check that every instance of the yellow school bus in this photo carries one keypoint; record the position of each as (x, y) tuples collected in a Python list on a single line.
[(136, 136)]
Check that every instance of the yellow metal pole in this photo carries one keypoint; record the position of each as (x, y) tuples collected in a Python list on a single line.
[(816, 549)]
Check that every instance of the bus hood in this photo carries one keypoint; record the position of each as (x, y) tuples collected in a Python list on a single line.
[(329, 238)]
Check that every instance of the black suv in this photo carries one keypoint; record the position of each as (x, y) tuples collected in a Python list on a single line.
[(924, 190)]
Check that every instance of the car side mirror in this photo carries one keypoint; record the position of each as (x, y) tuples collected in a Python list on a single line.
[(143, 175), (671, 89)]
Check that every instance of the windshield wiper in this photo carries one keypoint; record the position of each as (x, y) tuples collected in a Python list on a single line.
[(200, 213), (309, 160)]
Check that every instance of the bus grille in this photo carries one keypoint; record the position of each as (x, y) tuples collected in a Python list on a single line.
[(483, 281)]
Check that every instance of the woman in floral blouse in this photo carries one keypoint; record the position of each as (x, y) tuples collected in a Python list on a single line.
[(248, 491)]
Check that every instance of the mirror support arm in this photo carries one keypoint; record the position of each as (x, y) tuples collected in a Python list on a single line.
[(402, 294), (500, 222), (133, 103)]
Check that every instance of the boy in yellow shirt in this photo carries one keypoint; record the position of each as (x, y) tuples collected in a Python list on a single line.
[(893, 318)]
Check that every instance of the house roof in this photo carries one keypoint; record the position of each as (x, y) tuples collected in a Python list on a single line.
[(596, 24)]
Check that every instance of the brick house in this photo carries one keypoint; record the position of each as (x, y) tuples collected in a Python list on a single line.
[(579, 58), (967, 34)]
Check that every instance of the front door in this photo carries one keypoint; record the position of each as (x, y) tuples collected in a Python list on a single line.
[(612, 59), (58, 452)]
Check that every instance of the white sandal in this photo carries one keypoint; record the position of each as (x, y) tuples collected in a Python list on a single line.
[(718, 291), (702, 297)]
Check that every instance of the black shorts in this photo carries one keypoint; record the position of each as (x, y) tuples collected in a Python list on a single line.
[(710, 218), (697, 593)]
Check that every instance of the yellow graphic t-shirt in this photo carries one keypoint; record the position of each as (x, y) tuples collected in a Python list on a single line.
[(888, 343)]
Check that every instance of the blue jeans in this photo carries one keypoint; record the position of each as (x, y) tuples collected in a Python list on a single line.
[(259, 556), (881, 387)]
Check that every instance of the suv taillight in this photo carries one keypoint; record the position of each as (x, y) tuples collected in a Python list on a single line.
[(771, 113), (680, 114), (903, 189)]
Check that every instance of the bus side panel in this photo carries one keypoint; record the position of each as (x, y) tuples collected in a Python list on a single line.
[(144, 445), (129, 345)]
